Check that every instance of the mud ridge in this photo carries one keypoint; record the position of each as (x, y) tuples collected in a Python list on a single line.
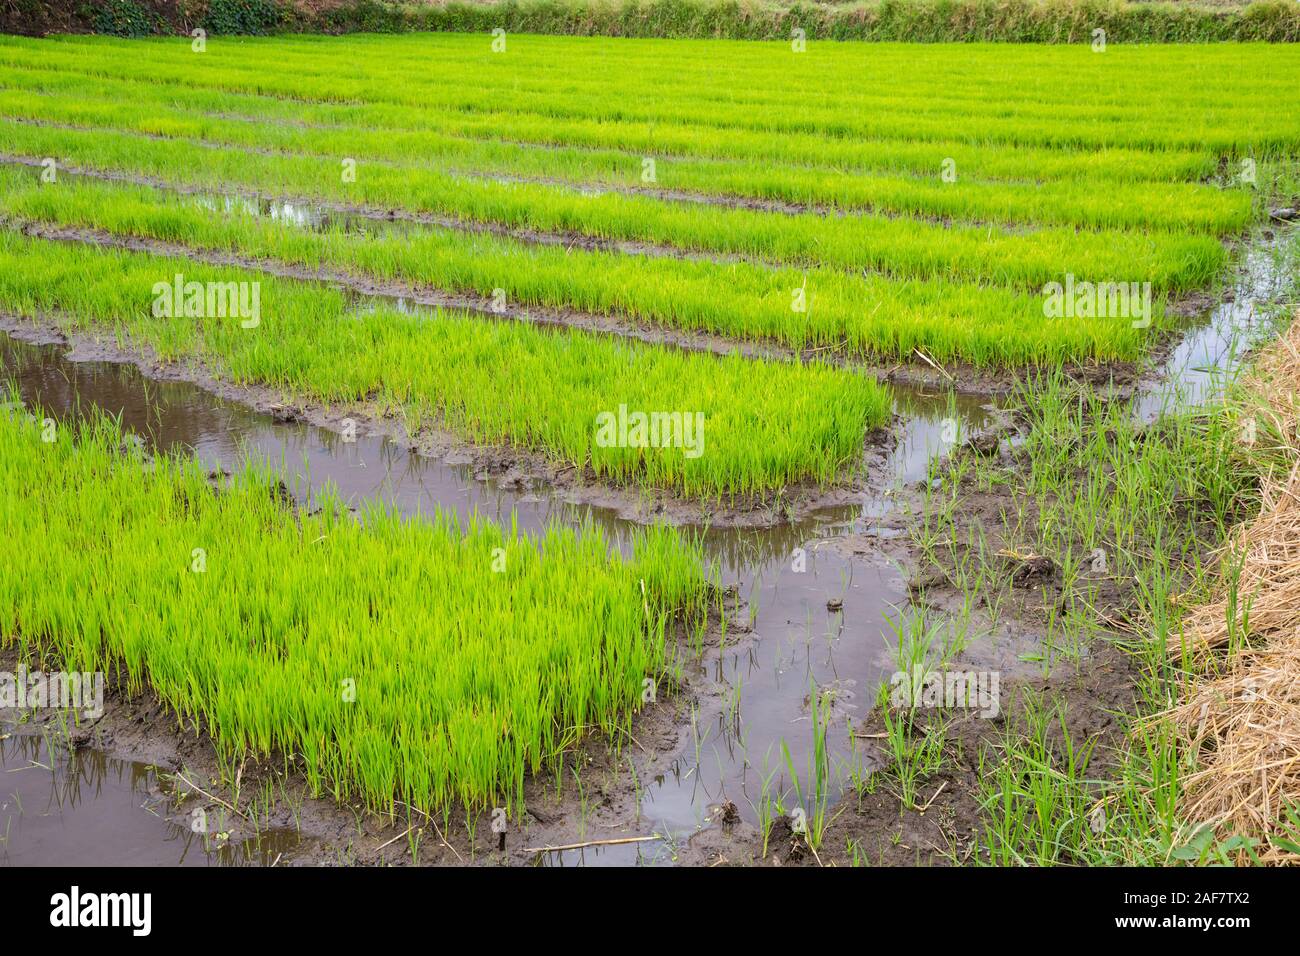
[(570, 239)]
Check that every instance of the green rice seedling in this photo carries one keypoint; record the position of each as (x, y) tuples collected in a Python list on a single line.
[(413, 837), (853, 849), (811, 814), (1038, 798), (903, 247), (489, 382), (293, 634), (770, 801), (1177, 206), (862, 779), (916, 751), (572, 77), (919, 644), (895, 154)]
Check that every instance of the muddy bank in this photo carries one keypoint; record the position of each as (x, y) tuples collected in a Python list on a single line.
[(1083, 678), (944, 824), (64, 805), (566, 239)]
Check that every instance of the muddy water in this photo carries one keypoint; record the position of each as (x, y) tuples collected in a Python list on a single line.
[(1210, 352), (786, 575), (304, 215), (75, 809), (310, 216)]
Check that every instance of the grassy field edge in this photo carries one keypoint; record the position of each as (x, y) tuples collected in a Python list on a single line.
[(925, 21)]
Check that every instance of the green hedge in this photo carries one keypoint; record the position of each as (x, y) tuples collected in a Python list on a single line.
[(925, 21), (244, 16), (123, 18), (928, 21)]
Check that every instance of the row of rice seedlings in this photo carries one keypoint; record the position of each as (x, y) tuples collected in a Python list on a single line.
[(776, 88), (687, 103), (892, 100), (903, 247), (868, 317), (834, 74), (388, 659), (527, 74), (732, 426), (837, 74), (1190, 206), (189, 74), (972, 160), (1149, 126)]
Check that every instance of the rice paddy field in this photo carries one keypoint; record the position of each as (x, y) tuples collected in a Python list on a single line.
[(511, 449)]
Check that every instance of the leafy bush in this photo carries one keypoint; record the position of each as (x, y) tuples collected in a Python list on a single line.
[(927, 21), (366, 16), (123, 18), (242, 16)]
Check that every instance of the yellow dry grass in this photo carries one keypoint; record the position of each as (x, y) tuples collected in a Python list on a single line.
[(1244, 717)]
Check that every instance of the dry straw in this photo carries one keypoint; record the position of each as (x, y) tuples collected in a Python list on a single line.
[(1243, 718)]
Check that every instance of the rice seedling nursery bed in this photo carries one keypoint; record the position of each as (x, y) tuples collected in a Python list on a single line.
[(838, 361)]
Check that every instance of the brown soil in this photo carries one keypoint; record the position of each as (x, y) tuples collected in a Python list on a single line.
[(877, 828)]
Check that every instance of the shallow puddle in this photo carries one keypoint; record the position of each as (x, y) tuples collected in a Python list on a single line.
[(1210, 352), (312, 217), (62, 808)]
